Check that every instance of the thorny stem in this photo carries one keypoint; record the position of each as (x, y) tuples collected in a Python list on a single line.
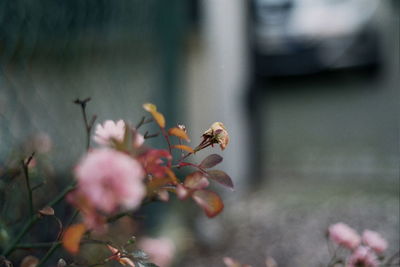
[(25, 164)]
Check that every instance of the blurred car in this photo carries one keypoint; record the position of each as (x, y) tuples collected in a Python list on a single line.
[(294, 37)]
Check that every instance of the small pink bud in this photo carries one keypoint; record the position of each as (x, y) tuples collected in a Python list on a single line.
[(344, 235), (375, 241)]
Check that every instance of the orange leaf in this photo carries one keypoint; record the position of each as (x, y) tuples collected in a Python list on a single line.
[(150, 107), (171, 175), (158, 117), (179, 133), (196, 180), (156, 183), (210, 202), (72, 237), (183, 147)]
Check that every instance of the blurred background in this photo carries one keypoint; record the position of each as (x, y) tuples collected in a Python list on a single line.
[(308, 90)]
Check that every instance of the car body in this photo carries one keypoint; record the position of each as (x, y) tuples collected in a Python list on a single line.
[(294, 37)]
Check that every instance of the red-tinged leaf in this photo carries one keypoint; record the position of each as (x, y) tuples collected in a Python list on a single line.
[(196, 180), (153, 161), (221, 177), (179, 133), (112, 249), (72, 237), (210, 161), (209, 201), (29, 261), (183, 147)]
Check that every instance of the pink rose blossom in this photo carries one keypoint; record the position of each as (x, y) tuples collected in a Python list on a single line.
[(375, 241), (109, 179), (161, 251), (110, 130), (344, 235), (363, 257)]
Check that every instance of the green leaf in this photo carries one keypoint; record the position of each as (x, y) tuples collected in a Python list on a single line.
[(220, 177), (210, 161)]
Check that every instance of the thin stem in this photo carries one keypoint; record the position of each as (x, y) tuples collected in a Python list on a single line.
[(54, 247), (34, 218), (50, 252), (88, 125), (184, 157), (392, 258), (28, 183), (182, 164), (34, 245), (88, 128), (165, 134)]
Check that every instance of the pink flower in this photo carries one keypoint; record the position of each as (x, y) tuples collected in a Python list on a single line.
[(375, 241), (139, 140), (110, 130), (344, 235), (109, 179), (363, 257), (161, 251)]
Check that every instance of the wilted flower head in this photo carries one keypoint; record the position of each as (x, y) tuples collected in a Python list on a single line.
[(216, 134), (104, 134), (363, 257), (374, 240), (109, 179), (161, 251), (344, 235)]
